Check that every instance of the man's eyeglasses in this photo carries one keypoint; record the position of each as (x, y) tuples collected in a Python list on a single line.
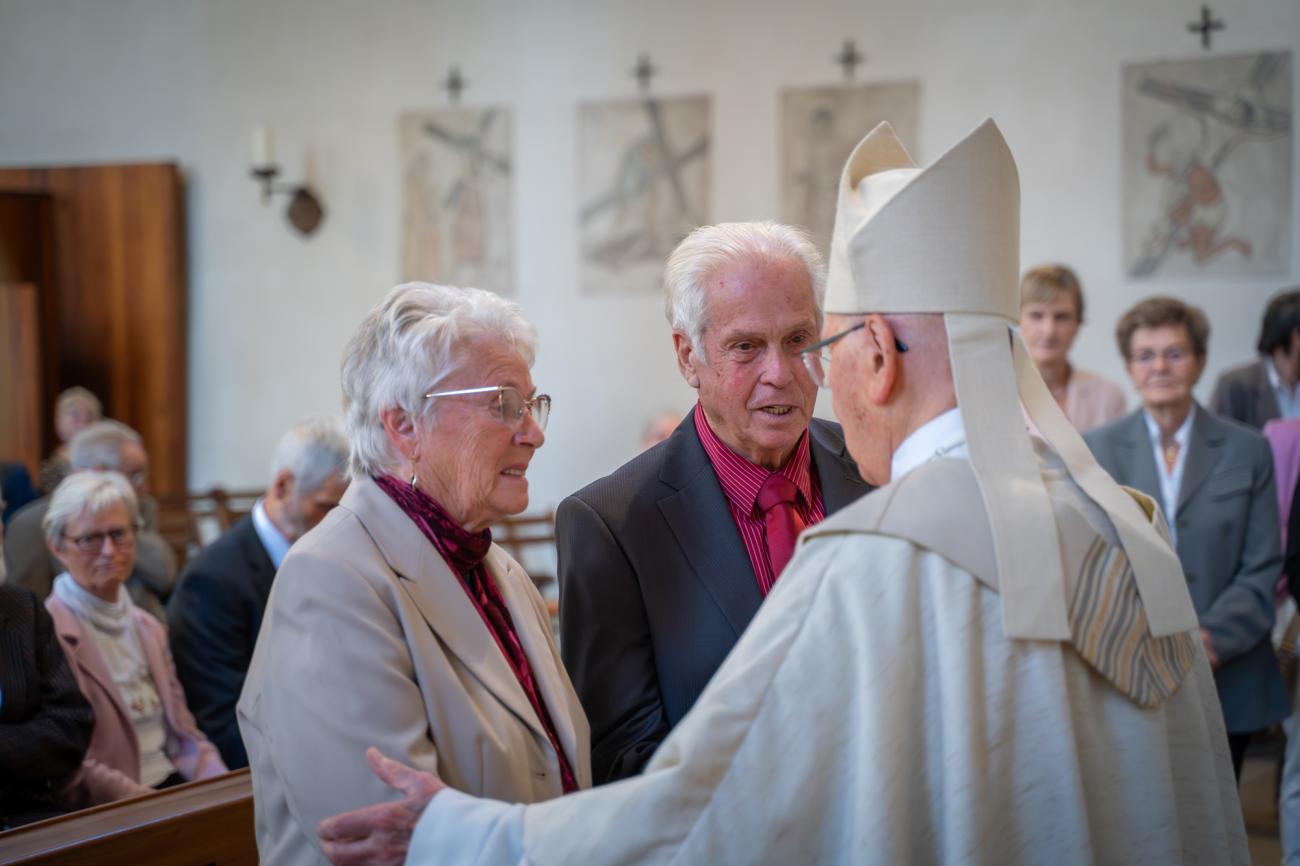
[(93, 542), (817, 357), (510, 403)]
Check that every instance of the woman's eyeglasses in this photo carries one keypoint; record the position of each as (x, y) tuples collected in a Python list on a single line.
[(510, 402)]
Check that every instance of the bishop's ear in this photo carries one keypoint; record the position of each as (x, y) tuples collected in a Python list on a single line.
[(687, 358), (883, 359)]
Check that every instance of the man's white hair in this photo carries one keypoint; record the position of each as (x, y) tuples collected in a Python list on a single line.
[(708, 249), (312, 451), (99, 446), (405, 347), (88, 493)]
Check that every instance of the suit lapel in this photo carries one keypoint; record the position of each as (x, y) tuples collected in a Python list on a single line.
[(257, 560), (1265, 399), (537, 647), (438, 594), (86, 657), (700, 520), (836, 470), (1136, 457), (1202, 454)]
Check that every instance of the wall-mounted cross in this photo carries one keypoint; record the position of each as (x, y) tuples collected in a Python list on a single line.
[(454, 85), (643, 72), (850, 58), (1207, 25)]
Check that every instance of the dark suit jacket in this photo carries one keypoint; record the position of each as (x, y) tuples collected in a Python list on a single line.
[(1244, 393), (213, 618), (1229, 544), (656, 588), (15, 488), (45, 722)]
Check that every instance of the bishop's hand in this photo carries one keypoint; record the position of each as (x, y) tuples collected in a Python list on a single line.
[(380, 834)]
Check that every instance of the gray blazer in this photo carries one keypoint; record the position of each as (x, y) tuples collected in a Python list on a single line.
[(1244, 393), (1229, 544)]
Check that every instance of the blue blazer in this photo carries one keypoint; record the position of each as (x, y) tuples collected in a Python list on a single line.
[(1229, 544)]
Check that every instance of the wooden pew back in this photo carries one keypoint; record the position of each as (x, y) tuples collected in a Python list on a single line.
[(204, 822)]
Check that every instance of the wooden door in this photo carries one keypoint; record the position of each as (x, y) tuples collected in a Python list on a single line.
[(115, 307)]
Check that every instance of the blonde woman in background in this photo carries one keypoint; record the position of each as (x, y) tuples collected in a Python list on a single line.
[(1051, 311)]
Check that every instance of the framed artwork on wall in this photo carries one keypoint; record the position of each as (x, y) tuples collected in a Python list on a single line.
[(1207, 167)]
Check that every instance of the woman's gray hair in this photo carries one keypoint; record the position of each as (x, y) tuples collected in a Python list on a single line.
[(405, 347), (89, 493), (708, 249), (312, 451)]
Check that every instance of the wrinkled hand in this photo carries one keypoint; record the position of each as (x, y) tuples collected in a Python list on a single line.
[(1209, 648), (380, 834)]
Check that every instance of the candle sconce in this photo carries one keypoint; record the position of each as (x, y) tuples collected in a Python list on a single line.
[(305, 211)]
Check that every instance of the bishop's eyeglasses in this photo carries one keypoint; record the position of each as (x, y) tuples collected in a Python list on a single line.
[(817, 357), (510, 403)]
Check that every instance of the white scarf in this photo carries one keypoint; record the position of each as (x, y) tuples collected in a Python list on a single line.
[(114, 618)]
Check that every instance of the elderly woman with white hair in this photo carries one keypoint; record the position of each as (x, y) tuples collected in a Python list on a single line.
[(396, 622), (144, 736)]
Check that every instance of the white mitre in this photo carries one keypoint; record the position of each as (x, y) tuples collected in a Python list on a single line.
[(946, 239)]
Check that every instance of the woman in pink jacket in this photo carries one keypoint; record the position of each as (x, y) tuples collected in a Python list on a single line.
[(145, 736)]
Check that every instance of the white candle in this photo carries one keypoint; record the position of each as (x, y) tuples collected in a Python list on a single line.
[(261, 147)]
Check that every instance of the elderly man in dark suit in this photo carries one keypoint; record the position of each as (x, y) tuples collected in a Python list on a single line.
[(1214, 480), (216, 612), (1256, 392), (663, 563)]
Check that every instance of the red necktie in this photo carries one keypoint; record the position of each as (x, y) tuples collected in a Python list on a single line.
[(781, 519)]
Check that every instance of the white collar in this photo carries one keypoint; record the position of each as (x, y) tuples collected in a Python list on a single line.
[(1273, 378), (272, 539), (1180, 436), (942, 436)]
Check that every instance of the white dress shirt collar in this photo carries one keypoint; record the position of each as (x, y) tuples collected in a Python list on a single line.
[(1171, 480), (272, 539), (1288, 401), (942, 436)]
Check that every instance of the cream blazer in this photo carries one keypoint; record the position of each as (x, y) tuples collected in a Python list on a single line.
[(369, 639)]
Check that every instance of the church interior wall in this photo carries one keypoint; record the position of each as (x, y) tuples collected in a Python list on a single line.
[(121, 80)]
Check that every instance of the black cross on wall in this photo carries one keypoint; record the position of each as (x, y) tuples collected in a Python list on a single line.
[(850, 58), (643, 72), (1207, 25), (454, 84)]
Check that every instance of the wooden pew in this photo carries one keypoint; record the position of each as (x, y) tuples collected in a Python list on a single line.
[(205, 822)]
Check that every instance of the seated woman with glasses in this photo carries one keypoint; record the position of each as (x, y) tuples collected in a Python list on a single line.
[(1213, 480), (144, 736), (396, 622)]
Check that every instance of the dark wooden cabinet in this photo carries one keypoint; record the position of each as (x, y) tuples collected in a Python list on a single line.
[(98, 252)]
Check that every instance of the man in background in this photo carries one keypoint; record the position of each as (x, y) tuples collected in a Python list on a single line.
[(216, 611), (663, 563)]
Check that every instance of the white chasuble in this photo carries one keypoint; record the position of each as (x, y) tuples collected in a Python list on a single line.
[(874, 712)]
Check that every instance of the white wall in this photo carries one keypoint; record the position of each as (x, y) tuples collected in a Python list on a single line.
[(115, 80)]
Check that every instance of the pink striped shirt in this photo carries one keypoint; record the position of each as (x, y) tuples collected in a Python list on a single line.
[(741, 480)]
